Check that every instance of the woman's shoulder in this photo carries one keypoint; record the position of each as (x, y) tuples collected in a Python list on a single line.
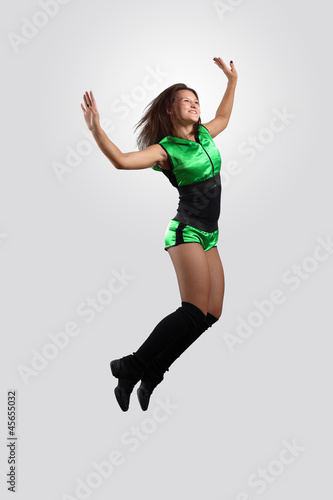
[(203, 129), (167, 138)]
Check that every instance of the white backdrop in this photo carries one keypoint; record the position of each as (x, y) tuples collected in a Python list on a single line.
[(245, 413)]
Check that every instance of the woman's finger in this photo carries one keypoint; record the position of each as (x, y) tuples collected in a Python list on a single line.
[(88, 101), (92, 98), (225, 66), (219, 61)]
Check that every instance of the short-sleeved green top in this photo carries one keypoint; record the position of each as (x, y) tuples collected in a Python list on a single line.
[(191, 161)]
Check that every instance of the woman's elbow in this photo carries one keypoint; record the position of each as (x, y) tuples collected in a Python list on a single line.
[(118, 163)]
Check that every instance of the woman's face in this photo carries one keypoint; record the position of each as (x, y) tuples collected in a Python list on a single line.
[(186, 108)]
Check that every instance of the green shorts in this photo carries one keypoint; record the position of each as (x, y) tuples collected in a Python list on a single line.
[(179, 232)]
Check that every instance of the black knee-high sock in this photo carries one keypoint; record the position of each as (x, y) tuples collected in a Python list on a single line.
[(167, 357), (159, 365), (170, 330)]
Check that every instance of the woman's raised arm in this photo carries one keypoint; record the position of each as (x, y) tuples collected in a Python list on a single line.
[(146, 158), (223, 112)]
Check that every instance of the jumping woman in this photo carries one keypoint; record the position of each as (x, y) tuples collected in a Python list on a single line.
[(174, 141)]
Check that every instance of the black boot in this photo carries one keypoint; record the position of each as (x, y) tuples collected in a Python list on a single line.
[(128, 370), (154, 374)]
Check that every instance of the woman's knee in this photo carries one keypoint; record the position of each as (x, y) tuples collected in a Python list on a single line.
[(200, 302), (216, 313), (216, 309)]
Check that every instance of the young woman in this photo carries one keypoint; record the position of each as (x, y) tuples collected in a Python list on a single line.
[(174, 141)]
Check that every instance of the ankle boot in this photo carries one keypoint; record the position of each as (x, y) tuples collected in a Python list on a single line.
[(128, 371), (144, 392), (152, 376)]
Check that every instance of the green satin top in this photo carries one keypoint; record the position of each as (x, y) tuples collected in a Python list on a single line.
[(191, 161)]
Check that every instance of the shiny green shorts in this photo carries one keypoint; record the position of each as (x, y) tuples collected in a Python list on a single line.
[(178, 233)]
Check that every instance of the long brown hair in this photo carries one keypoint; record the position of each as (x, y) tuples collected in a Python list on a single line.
[(156, 121)]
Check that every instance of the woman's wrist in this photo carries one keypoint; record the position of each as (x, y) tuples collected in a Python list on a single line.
[(232, 83), (96, 130)]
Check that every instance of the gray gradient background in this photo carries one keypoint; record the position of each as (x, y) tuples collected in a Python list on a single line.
[(61, 240)]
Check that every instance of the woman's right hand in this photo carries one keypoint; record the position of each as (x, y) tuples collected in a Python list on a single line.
[(90, 112)]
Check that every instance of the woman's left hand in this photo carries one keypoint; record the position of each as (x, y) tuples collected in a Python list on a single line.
[(90, 113), (231, 73)]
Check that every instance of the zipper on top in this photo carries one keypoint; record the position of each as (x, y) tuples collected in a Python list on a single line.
[(209, 160)]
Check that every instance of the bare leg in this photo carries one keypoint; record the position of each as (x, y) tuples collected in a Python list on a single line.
[(200, 276), (217, 282), (193, 274)]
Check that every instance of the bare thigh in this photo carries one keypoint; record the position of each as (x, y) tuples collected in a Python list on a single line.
[(193, 273), (217, 282)]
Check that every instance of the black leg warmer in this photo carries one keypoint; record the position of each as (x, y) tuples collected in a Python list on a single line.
[(170, 330), (154, 374)]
